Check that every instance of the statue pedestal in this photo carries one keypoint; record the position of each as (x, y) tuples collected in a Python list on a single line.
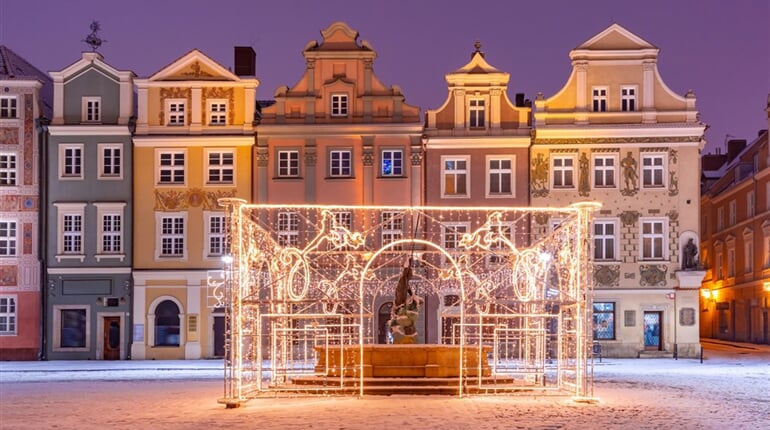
[(394, 361)]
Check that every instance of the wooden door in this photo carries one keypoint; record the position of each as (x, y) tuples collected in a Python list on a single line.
[(111, 338), (219, 336)]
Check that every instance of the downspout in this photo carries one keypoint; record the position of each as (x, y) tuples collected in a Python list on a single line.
[(41, 127)]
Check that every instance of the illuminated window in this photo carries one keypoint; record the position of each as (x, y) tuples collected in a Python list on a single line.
[(392, 228), (8, 107), (171, 167), (476, 113), (653, 171), (288, 164), (110, 161), (605, 239), (605, 167), (563, 171), (221, 167), (288, 229), (176, 109), (71, 161), (172, 236), (604, 320), (339, 105), (392, 162), (91, 109), (217, 112), (653, 239), (8, 238), (8, 169), (8, 315), (599, 99), (455, 174), (628, 98), (500, 176), (340, 163)]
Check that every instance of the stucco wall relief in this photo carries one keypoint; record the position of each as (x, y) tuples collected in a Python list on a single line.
[(173, 200)]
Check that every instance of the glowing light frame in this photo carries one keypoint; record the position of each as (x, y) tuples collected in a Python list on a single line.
[(283, 292)]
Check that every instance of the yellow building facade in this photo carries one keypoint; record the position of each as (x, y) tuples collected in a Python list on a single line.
[(192, 146), (616, 134)]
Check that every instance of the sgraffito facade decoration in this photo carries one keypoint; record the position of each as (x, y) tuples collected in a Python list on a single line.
[(539, 177), (607, 275), (173, 200), (652, 275)]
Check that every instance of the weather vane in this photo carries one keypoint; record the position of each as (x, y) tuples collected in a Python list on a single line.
[(93, 39)]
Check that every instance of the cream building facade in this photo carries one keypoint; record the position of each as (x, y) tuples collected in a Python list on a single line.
[(193, 145), (616, 134)]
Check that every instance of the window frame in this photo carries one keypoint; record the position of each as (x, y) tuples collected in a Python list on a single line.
[(210, 235), (112, 210), (9, 315), (160, 255), (458, 229), (11, 108), (173, 116), (462, 176), (652, 168), (9, 238), (663, 235), (336, 167), (629, 99), (75, 161), (220, 168), (57, 328), (500, 172), (732, 213), (286, 171), (287, 228), (339, 106), (397, 163), (751, 204), (171, 169), (389, 228), (217, 117), (9, 169), (477, 113), (604, 238), (564, 170), (610, 316), (91, 110), (599, 97), (604, 169), (64, 210), (492, 260), (116, 161), (720, 218)]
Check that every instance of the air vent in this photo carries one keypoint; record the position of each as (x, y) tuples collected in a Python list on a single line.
[(111, 302)]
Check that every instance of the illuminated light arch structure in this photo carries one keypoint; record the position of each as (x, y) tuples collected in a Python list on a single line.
[(301, 281)]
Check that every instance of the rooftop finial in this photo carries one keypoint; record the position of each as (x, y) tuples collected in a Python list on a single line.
[(477, 45), (93, 40)]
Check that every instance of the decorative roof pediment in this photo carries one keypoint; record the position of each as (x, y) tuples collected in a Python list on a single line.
[(615, 38), (478, 70), (338, 37), (194, 66), (90, 60)]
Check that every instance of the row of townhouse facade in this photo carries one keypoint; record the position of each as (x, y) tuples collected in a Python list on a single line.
[(130, 206)]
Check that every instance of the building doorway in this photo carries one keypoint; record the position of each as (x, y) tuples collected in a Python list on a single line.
[(219, 336), (111, 338), (652, 331)]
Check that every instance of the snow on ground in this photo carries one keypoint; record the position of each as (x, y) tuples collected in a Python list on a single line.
[(730, 389)]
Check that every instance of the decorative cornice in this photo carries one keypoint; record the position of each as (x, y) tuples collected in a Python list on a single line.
[(601, 140)]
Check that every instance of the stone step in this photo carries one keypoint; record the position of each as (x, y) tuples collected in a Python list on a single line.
[(656, 354)]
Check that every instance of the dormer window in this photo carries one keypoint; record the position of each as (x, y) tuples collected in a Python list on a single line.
[(600, 99), (339, 105), (628, 98), (176, 111), (91, 109), (217, 112), (476, 113)]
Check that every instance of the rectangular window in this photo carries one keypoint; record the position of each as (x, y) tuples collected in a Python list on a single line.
[(733, 211), (628, 98), (455, 176), (720, 267), (288, 229), (604, 171), (563, 172), (339, 105), (172, 236), (653, 239), (605, 240), (8, 315), (110, 160), (217, 236), (340, 163), (599, 99), (91, 109), (653, 171), (288, 164), (767, 254), (730, 263), (392, 162), (176, 112), (392, 228), (720, 218), (604, 320), (8, 169), (8, 238), (451, 235), (217, 112), (750, 204), (220, 168), (500, 176), (112, 233), (748, 255), (476, 113), (8, 107), (73, 328), (498, 250), (71, 161), (171, 167), (73, 234)]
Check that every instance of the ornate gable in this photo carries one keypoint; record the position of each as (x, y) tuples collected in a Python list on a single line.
[(194, 66), (615, 37)]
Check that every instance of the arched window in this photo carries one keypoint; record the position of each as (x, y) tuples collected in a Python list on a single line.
[(383, 331), (167, 324)]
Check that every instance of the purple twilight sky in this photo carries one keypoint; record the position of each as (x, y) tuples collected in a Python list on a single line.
[(718, 48)]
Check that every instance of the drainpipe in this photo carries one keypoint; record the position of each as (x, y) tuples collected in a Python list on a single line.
[(41, 127)]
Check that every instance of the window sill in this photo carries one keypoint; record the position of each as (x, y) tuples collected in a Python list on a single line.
[(100, 257), (70, 178), (391, 177), (340, 177), (455, 196), (79, 257), (287, 178)]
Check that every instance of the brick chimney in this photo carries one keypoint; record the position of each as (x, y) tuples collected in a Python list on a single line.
[(245, 61)]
